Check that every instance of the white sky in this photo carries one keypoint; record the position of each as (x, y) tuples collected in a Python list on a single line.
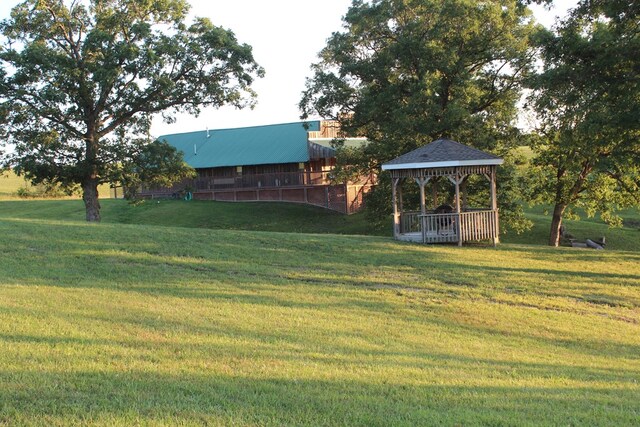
[(286, 36)]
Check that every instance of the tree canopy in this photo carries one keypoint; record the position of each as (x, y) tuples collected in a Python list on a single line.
[(80, 81), (406, 72), (587, 98)]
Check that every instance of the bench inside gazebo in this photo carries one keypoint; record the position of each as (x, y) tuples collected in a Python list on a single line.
[(443, 224)]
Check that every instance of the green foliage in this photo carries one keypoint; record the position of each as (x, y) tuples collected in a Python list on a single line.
[(123, 325), (513, 181), (156, 164), (404, 73), (80, 81), (587, 99), (352, 162), (378, 209), (41, 191)]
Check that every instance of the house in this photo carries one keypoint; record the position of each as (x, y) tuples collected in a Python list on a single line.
[(290, 162)]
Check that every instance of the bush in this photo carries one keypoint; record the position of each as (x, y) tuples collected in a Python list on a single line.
[(42, 191)]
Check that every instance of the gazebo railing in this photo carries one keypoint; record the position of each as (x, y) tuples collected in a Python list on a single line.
[(438, 228), (450, 227), (410, 222), (479, 225)]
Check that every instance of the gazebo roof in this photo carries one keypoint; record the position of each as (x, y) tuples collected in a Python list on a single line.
[(442, 153)]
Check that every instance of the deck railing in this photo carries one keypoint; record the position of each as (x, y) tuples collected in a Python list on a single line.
[(266, 180), (450, 227)]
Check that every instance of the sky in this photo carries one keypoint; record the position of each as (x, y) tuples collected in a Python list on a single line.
[(286, 36)]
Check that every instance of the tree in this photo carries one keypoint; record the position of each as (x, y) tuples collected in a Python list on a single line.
[(80, 81), (406, 72), (587, 97), (155, 164)]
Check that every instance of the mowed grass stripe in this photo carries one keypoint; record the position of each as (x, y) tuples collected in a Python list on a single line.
[(294, 218), (123, 324)]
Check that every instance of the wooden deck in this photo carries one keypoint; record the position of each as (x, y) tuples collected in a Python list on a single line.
[(310, 187), (265, 180), (473, 225), (344, 198)]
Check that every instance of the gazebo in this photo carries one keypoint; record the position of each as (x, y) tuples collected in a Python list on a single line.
[(458, 223)]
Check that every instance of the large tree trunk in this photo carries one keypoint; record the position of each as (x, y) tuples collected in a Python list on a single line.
[(90, 181), (91, 202), (562, 201), (556, 223)]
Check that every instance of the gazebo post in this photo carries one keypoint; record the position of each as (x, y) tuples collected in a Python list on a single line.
[(400, 199), (463, 190), (459, 229), (456, 181), (396, 214), (434, 191), (494, 206), (422, 182)]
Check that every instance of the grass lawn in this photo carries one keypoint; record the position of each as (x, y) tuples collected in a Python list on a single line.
[(290, 217), (621, 238), (129, 324), (10, 183), (262, 216)]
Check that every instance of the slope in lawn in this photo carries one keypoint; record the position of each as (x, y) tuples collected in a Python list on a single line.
[(289, 217), (265, 216), (127, 324)]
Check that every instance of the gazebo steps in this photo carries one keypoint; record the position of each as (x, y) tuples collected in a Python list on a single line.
[(430, 237)]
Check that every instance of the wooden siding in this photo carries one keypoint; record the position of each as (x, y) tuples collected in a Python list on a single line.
[(317, 151), (328, 129)]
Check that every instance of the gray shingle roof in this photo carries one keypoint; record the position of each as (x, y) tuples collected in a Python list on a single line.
[(442, 153)]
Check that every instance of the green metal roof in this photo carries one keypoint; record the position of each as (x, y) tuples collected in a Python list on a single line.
[(257, 145), (348, 142)]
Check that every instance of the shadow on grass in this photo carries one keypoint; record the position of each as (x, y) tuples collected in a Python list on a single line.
[(332, 379), (268, 347), (153, 397), (110, 257)]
